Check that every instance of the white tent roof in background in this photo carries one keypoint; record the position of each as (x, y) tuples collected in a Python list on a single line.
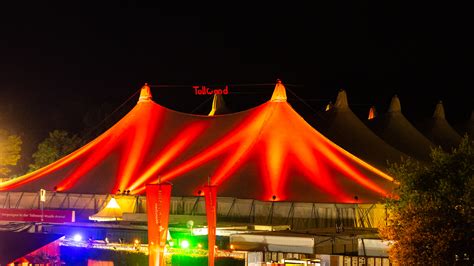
[(111, 212), (343, 127), (439, 131), (396, 130)]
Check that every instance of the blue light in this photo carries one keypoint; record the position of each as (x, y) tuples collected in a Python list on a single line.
[(77, 237)]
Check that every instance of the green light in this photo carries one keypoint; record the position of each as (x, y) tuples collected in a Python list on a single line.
[(171, 243), (185, 244)]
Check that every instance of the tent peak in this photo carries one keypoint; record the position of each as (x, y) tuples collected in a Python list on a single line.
[(111, 212), (279, 94), (329, 106), (341, 100), (145, 94), (218, 105), (395, 105), (439, 111), (372, 113)]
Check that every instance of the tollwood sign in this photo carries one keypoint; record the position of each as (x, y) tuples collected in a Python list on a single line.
[(203, 90), (34, 215)]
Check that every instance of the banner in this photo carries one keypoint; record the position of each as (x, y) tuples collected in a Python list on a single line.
[(210, 193), (158, 198), (35, 215)]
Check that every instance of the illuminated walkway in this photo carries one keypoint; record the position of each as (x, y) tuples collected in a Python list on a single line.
[(143, 248)]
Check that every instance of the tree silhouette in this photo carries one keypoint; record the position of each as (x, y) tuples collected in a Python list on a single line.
[(431, 223), (10, 148), (57, 145)]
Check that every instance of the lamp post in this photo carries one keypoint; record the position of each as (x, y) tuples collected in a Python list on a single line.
[(271, 211)]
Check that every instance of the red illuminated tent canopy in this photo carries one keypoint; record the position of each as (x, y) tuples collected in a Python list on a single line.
[(268, 152)]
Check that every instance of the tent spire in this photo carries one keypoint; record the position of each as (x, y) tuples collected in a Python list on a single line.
[(341, 101), (329, 106), (372, 113), (439, 111), (218, 105), (279, 94), (145, 94), (395, 105)]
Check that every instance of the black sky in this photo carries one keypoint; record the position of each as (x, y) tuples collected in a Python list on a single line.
[(59, 63)]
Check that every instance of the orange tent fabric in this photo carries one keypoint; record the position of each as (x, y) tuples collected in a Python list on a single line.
[(267, 153)]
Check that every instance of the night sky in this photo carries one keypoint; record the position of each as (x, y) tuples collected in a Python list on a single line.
[(68, 67)]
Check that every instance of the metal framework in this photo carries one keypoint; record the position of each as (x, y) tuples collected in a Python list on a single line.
[(299, 215)]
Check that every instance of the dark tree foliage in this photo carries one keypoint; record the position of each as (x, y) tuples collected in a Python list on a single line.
[(57, 145), (10, 148), (431, 221)]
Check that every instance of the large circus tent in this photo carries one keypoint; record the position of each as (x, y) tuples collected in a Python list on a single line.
[(268, 153)]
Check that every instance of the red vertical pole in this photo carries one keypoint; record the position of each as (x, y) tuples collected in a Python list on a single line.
[(210, 193), (158, 198)]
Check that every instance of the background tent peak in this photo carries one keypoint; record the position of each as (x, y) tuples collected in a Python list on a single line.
[(329, 106), (279, 94), (341, 100), (218, 106), (439, 111), (395, 105), (372, 113), (145, 93)]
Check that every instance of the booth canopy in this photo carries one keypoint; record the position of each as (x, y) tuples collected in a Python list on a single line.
[(111, 212)]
